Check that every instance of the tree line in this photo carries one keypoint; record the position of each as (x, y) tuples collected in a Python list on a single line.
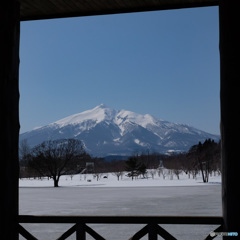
[(55, 158)]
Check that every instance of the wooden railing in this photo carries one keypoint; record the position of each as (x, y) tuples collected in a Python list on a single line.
[(151, 228)]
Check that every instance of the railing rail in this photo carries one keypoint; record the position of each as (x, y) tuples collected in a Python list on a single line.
[(151, 227)]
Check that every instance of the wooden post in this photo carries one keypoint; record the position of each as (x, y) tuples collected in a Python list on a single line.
[(152, 231), (229, 19), (9, 120), (80, 231)]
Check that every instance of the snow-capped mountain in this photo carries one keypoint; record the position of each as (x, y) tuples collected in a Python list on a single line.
[(105, 131)]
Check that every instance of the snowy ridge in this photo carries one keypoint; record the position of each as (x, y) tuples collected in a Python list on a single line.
[(97, 114), (106, 131)]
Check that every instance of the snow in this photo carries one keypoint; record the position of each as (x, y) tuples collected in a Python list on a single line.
[(156, 197), (116, 139), (119, 132), (137, 141), (97, 114), (142, 120), (38, 127), (102, 113), (88, 180)]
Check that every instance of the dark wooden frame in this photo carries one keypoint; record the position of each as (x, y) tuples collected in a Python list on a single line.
[(9, 104), (103, 7), (230, 131)]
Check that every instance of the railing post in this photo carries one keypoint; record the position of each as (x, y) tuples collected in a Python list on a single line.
[(80, 231)]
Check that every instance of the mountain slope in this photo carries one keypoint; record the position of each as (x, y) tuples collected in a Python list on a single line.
[(105, 131)]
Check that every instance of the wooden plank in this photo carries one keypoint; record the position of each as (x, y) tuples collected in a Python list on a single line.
[(229, 95), (9, 121), (48, 9), (201, 220)]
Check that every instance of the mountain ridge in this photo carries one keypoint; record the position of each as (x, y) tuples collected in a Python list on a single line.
[(105, 131)]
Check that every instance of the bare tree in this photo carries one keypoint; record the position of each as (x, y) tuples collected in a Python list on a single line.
[(177, 172), (117, 168), (100, 167), (152, 172), (24, 153), (163, 172), (118, 174), (56, 158), (206, 157), (24, 149)]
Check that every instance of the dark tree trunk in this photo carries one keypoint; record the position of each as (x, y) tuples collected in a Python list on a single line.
[(55, 180), (9, 72), (55, 183)]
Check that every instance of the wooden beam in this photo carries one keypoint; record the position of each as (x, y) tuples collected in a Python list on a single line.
[(199, 220), (229, 19), (9, 68), (48, 9)]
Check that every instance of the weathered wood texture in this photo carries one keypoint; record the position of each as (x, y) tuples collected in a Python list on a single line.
[(9, 65), (46, 9), (229, 19)]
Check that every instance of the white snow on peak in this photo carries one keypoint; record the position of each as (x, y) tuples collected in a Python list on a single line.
[(123, 128), (142, 120), (97, 114), (90, 118)]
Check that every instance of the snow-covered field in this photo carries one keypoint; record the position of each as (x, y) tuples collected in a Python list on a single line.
[(109, 180), (84, 195)]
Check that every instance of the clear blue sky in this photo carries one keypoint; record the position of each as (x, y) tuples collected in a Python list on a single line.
[(165, 63)]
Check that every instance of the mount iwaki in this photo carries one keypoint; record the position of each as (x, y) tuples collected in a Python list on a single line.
[(105, 131)]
